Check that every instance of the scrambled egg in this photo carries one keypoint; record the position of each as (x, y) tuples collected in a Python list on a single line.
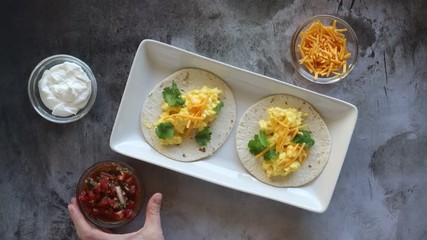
[(197, 112), (281, 127)]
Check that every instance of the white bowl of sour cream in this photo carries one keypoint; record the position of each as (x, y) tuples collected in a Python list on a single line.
[(62, 88)]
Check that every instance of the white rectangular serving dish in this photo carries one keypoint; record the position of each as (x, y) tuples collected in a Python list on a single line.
[(154, 61)]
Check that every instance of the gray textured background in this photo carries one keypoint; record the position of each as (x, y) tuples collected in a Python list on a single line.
[(382, 189)]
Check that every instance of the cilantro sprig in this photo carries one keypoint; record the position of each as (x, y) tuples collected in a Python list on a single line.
[(165, 130), (172, 96), (218, 107), (305, 137), (259, 143), (203, 137), (270, 154)]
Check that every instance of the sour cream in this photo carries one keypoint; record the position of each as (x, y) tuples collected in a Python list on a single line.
[(65, 89)]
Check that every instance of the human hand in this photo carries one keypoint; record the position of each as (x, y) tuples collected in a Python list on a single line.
[(152, 229)]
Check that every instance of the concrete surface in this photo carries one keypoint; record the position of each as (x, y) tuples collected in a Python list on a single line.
[(382, 189)]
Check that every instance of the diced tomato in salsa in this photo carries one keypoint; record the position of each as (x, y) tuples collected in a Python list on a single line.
[(101, 190)]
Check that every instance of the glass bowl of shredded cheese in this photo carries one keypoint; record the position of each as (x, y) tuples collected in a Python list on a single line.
[(324, 49)]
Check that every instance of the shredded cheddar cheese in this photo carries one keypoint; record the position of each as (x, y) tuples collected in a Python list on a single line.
[(281, 127), (323, 50), (265, 150), (196, 113)]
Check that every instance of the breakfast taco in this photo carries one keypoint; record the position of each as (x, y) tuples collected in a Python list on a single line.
[(189, 115), (282, 141)]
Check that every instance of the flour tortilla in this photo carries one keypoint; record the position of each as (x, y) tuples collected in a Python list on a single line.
[(319, 153), (189, 79)]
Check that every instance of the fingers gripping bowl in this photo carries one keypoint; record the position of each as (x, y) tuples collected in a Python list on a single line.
[(110, 194)]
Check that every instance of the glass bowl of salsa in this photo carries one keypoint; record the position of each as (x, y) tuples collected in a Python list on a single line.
[(110, 194)]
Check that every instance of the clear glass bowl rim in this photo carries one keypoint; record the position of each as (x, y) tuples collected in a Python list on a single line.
[(102, 223), (302, 71), (34, 95)]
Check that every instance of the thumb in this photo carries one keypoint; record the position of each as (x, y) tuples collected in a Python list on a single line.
[(152, 219)]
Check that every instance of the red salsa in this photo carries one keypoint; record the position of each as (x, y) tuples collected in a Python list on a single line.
[(110, 193)]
